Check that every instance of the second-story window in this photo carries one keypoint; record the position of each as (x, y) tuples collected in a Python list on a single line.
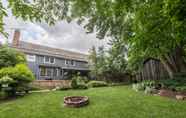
[(48, 59), (31, 58), (70, 62)]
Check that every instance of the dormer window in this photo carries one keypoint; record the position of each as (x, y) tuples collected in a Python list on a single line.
[(50, 60)]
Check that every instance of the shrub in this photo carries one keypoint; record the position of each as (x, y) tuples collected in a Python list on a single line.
[(63, 88), (74, 83), (18, 77), (178, 83), (149, 90), (3, 95), (148, 86), (97, 84), (78, 82), (82, 86), (138, 87), (6, 80), (19, 73)]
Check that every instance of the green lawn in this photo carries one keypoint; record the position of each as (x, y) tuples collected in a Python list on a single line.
[(109, 102)]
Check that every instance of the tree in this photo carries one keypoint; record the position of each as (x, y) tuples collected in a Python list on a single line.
[(109, 65), (49, 11), (93, 61), (149, 28), (10, 57), (14, 72)]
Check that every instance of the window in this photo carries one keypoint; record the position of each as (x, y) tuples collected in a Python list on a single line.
[(50, 60), (42, 71), (48, 71), (47, 60), (66, 62), (70, 62), (55, 72), (31, 58), (61, 72)]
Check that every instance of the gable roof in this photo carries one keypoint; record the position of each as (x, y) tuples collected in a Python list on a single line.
[(31, 48), (150, 58)]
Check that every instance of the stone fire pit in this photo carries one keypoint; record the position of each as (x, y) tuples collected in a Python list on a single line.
[(76, 101)]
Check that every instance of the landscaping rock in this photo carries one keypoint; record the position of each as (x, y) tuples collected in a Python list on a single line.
[(166, 93), (180, 97)]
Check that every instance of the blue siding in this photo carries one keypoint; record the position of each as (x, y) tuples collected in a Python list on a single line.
[(59, 63)]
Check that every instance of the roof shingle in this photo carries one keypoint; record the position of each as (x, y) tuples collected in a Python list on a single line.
[(45, 50)]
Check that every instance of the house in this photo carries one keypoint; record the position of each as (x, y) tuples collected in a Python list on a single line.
[(49, 63)]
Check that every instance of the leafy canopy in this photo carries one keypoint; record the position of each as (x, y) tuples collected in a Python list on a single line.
[(149, 28), (10, 57)]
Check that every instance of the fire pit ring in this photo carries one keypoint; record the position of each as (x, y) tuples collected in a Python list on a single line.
[(76, 101)]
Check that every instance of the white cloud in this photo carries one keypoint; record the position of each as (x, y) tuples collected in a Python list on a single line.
[(69, 36)]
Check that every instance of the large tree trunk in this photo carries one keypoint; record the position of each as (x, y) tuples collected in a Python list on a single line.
[(174, 62), (168, 67)]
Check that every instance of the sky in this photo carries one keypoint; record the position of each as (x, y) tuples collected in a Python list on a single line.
[(68, 36)]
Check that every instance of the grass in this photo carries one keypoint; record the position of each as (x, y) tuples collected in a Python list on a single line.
[(108, 102)]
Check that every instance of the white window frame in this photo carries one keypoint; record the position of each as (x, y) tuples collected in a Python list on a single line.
[(31, 55), (46, 72), (74, 62), (57, 72), (68, 62), (49, 62)]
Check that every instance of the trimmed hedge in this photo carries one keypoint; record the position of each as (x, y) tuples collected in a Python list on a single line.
[(97, 84)]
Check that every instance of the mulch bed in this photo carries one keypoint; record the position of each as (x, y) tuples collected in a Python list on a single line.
[(172, 94)]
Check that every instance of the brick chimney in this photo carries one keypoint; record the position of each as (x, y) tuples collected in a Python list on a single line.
[(16, 37)]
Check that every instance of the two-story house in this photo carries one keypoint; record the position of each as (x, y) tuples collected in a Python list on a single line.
[(49, 63)]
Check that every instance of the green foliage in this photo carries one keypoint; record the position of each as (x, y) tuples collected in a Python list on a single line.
[(17, 78), (19, 73), (108, 65), (78, 82), (3, 95), (10, 57), (147, 86), (62, 88), (74, 83), (149, 90), (138, 87), (6, 80), (108, 102), (97, 84), (148, 28), (178, 83), (34, 11)]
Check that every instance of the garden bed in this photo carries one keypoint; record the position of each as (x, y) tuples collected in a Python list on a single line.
[(172, 94)]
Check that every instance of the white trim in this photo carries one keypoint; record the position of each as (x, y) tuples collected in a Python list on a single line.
[(70, 62), (31, 57), (49, 62), (66, 62), (74, 63)]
